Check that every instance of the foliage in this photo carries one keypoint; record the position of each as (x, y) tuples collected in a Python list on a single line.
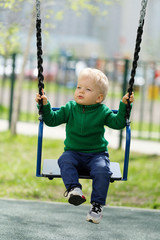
[(8, 39), (11, 4), (10, 27), (91, 6), (54, 10)]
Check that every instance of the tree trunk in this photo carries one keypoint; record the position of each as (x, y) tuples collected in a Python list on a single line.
[(18, 90), (3, 82)]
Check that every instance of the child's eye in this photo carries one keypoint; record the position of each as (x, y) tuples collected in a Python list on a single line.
[(78, 87), (88, 89)]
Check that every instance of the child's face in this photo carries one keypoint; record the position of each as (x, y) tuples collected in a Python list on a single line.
[(87, 92)]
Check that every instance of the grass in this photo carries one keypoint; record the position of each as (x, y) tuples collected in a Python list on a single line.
[(33, 85), (23, 116), (145, 126), (31, 117), (4, 112), (17, 175)]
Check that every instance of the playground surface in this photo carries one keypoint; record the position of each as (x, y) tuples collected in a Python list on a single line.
[(34, 220)]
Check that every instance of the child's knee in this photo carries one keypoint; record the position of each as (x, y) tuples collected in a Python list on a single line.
[(102, 172)]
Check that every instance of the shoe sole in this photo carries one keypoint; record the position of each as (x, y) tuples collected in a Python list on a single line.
[(76, 200), (91, 220)]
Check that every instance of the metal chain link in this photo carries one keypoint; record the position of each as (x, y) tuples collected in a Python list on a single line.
[(143, 11), (38, 9)]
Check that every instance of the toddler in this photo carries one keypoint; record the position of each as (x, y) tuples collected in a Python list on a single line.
[(85, 144)]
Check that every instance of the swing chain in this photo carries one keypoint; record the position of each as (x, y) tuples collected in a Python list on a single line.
[(39, 56), (38, 9), (143, 11), (136, 54)]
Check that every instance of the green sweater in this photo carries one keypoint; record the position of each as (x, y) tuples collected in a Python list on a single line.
[(85, 124)]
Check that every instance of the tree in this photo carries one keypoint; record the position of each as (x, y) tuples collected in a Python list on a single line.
[(92, 6), (17, 96), (8, 45)]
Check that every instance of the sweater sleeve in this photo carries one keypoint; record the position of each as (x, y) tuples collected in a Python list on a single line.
[(116, 121), (55, 118)]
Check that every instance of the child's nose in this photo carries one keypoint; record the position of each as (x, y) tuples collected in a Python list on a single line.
[(81, 90)]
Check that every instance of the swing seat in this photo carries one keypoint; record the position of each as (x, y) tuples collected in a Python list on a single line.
[(51, 169)]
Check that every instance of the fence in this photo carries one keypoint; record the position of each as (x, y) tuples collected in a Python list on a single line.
[(60, 81)]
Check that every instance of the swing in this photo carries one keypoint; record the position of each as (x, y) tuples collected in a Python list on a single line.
[(50, 167)]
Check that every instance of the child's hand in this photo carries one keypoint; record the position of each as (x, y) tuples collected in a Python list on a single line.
[(126, 97), (39, 97)]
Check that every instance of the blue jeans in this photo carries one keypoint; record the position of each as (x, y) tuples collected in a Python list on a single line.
[(98, 165)]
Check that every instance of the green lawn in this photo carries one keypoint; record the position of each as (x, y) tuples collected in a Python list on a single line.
[(17, 175)]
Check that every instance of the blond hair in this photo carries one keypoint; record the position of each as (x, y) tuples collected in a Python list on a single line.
[(99, 77)]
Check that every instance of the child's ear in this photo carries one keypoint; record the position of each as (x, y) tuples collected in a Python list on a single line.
[(100, 98)]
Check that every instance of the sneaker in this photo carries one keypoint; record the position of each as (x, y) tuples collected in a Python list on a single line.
[(76, 197), (95, 213)]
